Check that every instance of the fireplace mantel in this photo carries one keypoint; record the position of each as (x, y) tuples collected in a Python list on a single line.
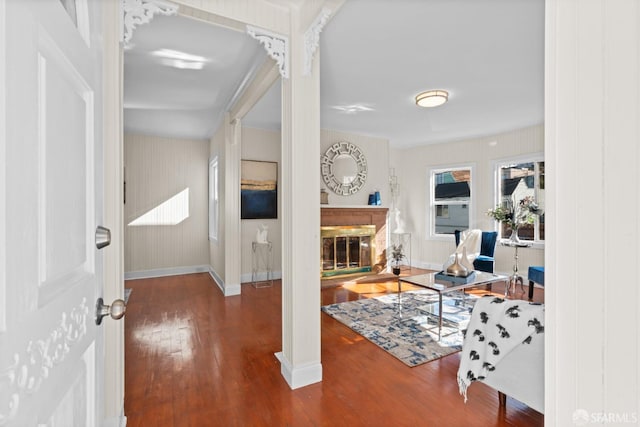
[(354, 216)]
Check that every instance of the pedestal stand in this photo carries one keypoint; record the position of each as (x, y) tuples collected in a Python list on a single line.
[(399, 314), (261, 264), (515, 277)]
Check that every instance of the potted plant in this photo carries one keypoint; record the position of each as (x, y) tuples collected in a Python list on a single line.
[(515, 215), (397, 255)]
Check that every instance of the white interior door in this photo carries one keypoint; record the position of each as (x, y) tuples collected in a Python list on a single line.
[(50, 204)]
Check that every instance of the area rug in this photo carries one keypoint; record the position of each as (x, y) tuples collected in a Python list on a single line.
[(405, 325)]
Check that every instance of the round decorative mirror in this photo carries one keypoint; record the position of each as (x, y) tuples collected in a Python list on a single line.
[(344, 168)]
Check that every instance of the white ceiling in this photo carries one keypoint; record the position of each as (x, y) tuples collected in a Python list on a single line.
[(160, 99), (489, 55)]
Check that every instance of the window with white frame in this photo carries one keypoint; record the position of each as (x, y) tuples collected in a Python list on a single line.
[(523, 180), (450, 200), (213, 199)]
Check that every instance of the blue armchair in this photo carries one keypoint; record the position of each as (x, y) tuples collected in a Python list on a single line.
[(484, 261)]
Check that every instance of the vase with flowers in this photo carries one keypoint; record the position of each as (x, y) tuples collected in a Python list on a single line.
[(515, 215)]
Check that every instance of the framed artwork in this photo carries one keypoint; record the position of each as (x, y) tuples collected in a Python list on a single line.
[(258, 190)]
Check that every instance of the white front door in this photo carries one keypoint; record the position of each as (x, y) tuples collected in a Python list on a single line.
[(51, 350)]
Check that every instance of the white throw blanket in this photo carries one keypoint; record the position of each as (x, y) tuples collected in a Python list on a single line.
[(496, 327), (470, 240)]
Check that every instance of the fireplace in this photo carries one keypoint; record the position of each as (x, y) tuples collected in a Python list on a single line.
[(347, 249), (352, 240)]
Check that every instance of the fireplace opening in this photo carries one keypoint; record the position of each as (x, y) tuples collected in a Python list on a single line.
[(347, 249)]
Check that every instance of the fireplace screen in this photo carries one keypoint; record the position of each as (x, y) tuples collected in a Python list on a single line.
[(347, 249)]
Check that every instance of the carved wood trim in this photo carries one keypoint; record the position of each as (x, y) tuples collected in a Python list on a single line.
[(312, 39), (276, 45), (139, 12)]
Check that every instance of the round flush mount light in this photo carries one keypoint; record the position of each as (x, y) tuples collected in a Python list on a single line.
[(432, 98)]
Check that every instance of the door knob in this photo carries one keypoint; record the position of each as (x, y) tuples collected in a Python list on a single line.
[(116, 310)]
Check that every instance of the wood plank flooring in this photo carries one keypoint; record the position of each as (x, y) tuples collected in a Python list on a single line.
[(196, 358)]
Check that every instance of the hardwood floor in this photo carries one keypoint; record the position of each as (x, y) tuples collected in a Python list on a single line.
[(196, 358)]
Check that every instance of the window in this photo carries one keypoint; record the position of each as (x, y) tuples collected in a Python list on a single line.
[(450, 200), (442, 211), (213, 199), (516, 181)]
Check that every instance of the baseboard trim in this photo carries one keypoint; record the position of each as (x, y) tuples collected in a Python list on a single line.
[(120, 421), (161, 272), (226, 289), (261, 277), (299, 376)]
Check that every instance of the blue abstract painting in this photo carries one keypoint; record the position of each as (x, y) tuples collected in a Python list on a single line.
[(259, 190)]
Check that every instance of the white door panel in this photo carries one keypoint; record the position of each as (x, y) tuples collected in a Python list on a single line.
[(50, 349), (64, 97)]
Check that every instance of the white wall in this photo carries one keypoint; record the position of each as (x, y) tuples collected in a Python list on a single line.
[(156, 169), (260, 144), (413, 166), (592, 294)]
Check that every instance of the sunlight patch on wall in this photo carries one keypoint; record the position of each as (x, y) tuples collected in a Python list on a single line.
[(171, 212)]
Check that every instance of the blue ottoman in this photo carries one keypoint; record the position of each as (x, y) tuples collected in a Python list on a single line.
[(536, 275)]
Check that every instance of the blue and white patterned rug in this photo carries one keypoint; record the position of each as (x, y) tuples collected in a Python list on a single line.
[(401, 326)]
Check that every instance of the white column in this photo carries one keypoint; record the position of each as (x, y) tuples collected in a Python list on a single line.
[(592, 290), (232, 153), (300, 356)]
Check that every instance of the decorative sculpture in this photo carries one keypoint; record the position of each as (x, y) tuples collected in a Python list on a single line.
[(261, 234)]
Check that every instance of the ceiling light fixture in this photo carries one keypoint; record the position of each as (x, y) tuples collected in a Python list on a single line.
[(432, 98)]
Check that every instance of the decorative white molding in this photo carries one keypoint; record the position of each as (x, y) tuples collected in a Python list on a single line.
[(162, 272), (312, 39), (33, 366), (237, 131), (276, 45), (138, 12), (300, 375)]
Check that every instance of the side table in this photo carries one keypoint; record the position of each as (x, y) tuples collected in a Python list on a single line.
[(515, 277), (261, 264)]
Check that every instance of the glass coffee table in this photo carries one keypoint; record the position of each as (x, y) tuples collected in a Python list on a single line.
[(442, 287)]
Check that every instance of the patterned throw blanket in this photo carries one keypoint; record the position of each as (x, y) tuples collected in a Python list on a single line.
[(497, 326)]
